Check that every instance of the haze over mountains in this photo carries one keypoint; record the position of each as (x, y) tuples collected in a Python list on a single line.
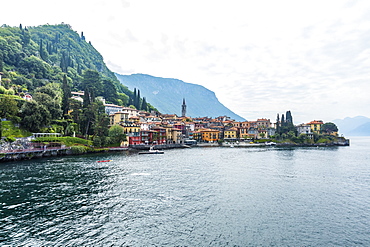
[(167, 96), (356, 126)]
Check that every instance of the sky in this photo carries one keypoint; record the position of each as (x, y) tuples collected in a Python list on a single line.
[(261, 58)]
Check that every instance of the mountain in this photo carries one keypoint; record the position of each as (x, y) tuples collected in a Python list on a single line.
[(356, 126), (167, 96), (362, 130)]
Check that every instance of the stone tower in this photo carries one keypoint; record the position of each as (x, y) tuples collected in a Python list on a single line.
[(183, 108)]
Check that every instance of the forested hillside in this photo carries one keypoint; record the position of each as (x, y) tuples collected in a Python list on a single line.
[(31, 57), (48, 62)]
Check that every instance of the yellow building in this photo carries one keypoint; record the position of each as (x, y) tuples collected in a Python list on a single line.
[(134, 119), (210, 135), (316, 126), (174, 135), (130, 128), (231, 133), (118, 117)]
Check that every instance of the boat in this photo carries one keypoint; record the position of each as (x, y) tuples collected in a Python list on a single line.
[(152, 151), (270, 143), (104, 161)]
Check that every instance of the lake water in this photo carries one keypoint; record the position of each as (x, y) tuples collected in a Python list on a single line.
[(191, 197)]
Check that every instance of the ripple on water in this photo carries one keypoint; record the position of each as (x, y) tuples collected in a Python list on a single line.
[(192, 197)]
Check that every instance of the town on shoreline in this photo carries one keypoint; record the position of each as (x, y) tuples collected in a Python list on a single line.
[(138, 130), (144, 128)]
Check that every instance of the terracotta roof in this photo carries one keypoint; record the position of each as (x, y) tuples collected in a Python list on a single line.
[(316, 122)]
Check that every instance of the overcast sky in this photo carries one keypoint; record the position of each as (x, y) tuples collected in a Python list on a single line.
[(259, 57)]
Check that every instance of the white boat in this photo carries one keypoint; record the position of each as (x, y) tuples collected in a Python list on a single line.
[(152, 151), (270, 143)]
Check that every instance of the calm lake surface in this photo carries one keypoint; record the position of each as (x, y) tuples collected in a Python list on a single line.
[(191, 197)]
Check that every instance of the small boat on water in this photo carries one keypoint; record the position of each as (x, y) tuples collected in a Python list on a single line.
[(104, 161), (270, 143), (152, 151)]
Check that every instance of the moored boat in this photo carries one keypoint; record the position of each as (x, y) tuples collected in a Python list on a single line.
[(270, 143), (152, 151)]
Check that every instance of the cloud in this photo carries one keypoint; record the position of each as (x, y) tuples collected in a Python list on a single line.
[(259, 57), (125, 4)]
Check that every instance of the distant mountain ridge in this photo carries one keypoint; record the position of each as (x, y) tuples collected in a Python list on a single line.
[(167, 95), (356, 126)]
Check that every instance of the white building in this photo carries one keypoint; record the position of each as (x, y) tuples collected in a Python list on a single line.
[(112, 108), (304, 129)]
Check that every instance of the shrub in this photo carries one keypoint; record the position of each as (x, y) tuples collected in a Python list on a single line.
[(79, 149), (323, 140), (10, 139), (66, 140)]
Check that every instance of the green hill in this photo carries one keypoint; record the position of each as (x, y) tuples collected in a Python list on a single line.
[(31, 57), (48, 62)]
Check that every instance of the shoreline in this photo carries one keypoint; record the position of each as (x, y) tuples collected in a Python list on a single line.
[(27, 154)]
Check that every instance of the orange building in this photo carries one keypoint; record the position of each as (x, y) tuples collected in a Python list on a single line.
[(210, 135)]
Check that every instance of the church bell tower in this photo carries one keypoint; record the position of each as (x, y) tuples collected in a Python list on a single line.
[(183, 108)]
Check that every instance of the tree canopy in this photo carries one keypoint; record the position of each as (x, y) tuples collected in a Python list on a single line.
[(329, 128), (48, 62)]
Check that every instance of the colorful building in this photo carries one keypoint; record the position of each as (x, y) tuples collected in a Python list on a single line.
[(210, 135), (231, 133), (263, 123), (160, 136), (316, 126), (118, 117)]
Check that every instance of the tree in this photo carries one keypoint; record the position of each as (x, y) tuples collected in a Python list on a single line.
[(130, 101), (286, 124), (91, 80), (50, 101), (1, 62), (137, 103), (329, 128), (43, 52), (35, 116), (8, 109), (34, 65), (76, 113), (52, 89), (109, 91), (86, 98), (144, 105), (123, 99), (116, 134), (66, 95), (289, 118), (134, 98), (26, 38)]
